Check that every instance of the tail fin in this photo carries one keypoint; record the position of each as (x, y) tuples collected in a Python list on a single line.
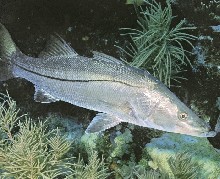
[(7, 49)]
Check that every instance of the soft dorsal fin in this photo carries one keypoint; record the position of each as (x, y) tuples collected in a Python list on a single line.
[(56, 46), (107, 58)]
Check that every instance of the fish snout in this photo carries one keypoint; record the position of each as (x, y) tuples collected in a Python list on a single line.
[(212, 133), (204, 130)]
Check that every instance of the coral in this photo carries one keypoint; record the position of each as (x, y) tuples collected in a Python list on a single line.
[(89, 141), (122, 144), (122, 158), (114, 146), (155, 45), (168, 153)]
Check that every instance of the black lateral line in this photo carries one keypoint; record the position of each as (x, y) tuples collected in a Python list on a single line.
[(54, 78)]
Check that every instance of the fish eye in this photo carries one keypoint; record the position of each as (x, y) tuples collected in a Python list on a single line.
[(183, 116)]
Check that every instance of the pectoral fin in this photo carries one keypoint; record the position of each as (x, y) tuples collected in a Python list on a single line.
[(43, 97), (102, 122)]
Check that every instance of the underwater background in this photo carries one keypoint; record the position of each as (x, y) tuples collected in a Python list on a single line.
[(49, 142)]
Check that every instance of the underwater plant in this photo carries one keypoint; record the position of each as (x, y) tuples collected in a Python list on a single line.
[(32, 152), (95, 169), (183, 167), (33, 155), (150, 174), (156, 46), (29, 150), (137, 171), (8, 116)]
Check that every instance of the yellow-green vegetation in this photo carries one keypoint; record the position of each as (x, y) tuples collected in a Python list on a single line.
[(95, 169), (183, 156), (29, 150), (182, 166), (150, 174), (31, 153), (156, 45)]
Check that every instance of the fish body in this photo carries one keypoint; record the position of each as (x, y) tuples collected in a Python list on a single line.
[(119, 92)]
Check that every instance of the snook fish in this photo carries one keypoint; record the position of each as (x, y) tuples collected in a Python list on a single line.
[(119, 92)]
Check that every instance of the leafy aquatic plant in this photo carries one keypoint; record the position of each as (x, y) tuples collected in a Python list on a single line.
[(29, 150), (137, 171), (149, 174), (8, 116), (183, 167), (95, 169), (156, 46), (31, 153)]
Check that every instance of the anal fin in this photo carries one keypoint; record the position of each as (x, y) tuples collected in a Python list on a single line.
[(43, 97), (102, 122)]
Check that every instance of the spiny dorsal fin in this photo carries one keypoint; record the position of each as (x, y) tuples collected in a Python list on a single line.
[(56, 46), (107, 58)]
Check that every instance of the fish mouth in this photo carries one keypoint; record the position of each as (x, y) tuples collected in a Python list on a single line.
[(212, 133)]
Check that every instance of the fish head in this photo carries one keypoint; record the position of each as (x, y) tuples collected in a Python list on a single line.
[(172, 115)]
